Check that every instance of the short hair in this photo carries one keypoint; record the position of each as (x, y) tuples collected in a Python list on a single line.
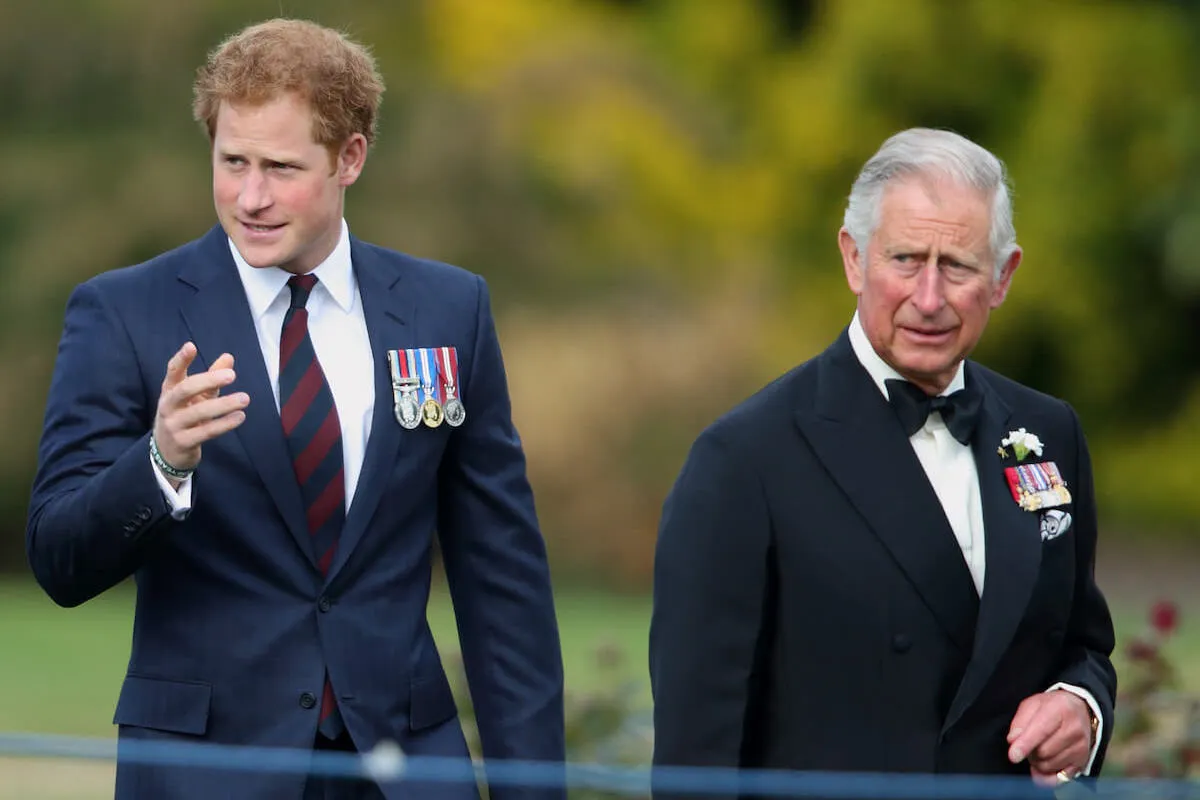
[(335, 76), (933, 153)]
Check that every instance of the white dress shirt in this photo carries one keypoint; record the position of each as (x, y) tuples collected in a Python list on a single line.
[(339, 335), (950, 467), (949, 464)]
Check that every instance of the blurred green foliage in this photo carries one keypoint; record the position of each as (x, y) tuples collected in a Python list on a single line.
[(653, 190), (607, 723), (1157, 733)]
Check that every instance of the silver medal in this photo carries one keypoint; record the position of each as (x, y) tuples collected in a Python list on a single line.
[(408, 413), (455, 412), (405, 407), (453, 409)]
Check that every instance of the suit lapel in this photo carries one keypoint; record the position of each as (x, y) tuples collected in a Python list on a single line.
[(856, 435), (218, 315), (389, 308), (1013, 549)]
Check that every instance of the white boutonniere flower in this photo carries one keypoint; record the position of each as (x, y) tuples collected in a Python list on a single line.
[(1023, 443)]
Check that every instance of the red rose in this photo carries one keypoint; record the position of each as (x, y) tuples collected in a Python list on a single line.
[(1164, 616)]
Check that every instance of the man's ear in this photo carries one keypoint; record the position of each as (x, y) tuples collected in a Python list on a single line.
[(1004, 281), (351, 157), (853, 260)]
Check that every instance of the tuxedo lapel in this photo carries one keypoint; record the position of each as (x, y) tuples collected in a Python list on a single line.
[(218, 315), (1013, 553), (389, 308), (857, 436)]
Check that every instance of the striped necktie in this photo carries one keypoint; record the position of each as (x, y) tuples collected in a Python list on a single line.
[(314, 438)]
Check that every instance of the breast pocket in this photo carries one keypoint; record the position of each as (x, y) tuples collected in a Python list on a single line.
[(1055, 523)]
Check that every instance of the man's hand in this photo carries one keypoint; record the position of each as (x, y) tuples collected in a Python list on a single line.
[(1054, 731), (191, 410)]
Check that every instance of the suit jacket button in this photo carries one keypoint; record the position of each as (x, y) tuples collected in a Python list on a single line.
[(308, 700), (144, 513), (324, 604), (901, 643)]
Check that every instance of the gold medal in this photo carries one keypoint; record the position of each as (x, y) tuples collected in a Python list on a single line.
[(432, 413)]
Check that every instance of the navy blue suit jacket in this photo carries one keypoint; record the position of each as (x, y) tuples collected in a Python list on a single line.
[(235, 625)]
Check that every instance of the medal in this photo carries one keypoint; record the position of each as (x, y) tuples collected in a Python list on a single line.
[(1037, 486), (407, 411), (432, 413), (404, 387), (456, 413), (431, 410)]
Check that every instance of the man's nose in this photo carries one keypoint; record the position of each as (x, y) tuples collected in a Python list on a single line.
[(254, 195), (930, 295)]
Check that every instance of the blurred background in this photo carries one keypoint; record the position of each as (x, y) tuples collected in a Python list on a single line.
[(652, 189)]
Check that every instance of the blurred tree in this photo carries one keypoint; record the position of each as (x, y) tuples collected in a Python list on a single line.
[(653, 190)]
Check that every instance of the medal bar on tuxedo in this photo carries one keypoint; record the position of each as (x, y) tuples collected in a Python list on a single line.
[(1036, 486), (432, 413), (452, 406)]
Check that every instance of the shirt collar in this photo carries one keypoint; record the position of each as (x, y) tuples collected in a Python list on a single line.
[(335, 273), (880, 370)]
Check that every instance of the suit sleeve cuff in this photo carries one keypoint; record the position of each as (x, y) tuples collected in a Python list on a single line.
[(1095, 707), (180, 500)]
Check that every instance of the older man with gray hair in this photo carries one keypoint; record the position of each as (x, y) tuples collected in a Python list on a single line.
[(883, 560)]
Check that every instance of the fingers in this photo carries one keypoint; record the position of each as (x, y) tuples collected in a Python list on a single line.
[(178, 364), (1044, 721), (196, 387), (1070, 763), (204, 411), (222, 364), (191, 409), (224, 361), (1026, 712), (1066, 749), (196, 435), (1053, 733)]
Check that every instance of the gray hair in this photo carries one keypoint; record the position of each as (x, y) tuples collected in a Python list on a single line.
[(933, 153)]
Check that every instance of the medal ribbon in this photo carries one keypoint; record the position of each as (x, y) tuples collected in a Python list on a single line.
[(449, 358), (429, 371)]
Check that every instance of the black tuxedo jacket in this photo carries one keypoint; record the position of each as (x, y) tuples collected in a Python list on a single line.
[(812, 607)]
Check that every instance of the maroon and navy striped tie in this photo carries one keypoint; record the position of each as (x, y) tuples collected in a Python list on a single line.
[(314, 437)]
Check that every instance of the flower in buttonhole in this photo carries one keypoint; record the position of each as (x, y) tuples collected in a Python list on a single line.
[(1023, 443), (1164, 617)]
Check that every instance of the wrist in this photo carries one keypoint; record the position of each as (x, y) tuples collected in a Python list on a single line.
[(173, 474)]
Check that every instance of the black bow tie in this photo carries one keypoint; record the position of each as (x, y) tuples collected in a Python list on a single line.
[(959, 410)]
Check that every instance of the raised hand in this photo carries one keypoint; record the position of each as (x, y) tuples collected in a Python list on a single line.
[(191, 409)]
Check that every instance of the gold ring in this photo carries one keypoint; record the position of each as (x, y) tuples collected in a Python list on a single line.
[(1063, 777)]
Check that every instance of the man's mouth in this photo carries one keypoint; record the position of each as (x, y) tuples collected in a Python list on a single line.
[(259, 228)]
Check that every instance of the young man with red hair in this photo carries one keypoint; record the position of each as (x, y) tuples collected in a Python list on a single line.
[(265, 427)]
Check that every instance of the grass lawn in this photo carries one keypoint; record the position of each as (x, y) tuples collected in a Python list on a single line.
[(61, 669)]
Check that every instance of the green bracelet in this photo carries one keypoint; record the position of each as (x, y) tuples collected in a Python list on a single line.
[(167, 469)]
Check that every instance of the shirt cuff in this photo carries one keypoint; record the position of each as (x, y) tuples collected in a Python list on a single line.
[(1091, 701), (180, 500)]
